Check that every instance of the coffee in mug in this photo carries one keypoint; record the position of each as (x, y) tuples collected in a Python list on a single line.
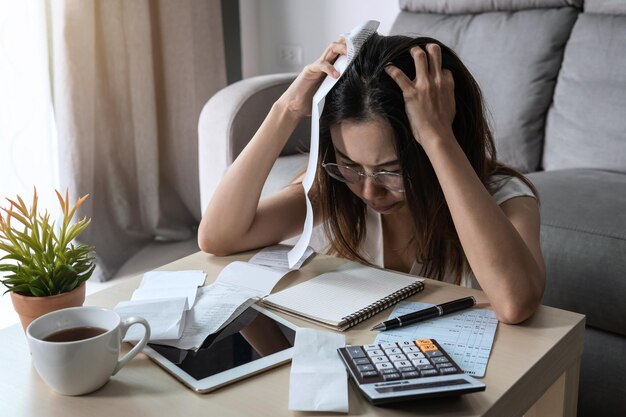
[(74, 334), (76, 350)]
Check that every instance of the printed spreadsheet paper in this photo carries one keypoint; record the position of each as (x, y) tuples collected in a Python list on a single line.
[(467, 335)]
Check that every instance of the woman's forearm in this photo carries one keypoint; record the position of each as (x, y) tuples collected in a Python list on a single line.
[(234, 220), (507, 270), (233, 207)]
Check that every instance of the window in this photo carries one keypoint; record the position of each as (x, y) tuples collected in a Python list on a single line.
[(28, 151)]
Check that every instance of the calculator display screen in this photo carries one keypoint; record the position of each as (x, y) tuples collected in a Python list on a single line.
[(250, 336)]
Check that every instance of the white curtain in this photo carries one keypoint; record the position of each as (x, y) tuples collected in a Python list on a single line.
[(28, 151), (130, 78)]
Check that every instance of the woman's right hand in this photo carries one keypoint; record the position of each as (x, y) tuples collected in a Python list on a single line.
[(258, 223), (297, 98)]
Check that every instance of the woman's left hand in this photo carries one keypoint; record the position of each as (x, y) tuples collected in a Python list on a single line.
[(429, 99)]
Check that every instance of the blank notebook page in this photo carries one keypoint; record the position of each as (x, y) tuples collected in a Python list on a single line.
[(337, 294)]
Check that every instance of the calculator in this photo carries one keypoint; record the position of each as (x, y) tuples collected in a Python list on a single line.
[(391, 372)]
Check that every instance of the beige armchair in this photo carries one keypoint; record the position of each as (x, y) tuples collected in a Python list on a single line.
[(230, 119)]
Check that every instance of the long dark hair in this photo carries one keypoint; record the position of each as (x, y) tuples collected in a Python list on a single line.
[(366, 93)]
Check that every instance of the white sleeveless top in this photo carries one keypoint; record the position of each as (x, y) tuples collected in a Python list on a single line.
[(372, 248)]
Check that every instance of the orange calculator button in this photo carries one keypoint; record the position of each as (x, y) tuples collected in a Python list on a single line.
[(428, 348), (426, 345)]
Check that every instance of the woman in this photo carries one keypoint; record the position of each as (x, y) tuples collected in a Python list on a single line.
[(408, 177)]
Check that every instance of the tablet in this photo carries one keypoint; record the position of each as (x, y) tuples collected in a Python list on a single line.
[(255, 341)]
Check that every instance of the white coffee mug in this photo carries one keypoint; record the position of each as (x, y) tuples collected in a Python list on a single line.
[(81, 366)]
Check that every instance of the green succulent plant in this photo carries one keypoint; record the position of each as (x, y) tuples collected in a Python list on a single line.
[(41, 259)]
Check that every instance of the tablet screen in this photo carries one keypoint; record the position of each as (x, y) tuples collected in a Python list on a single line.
[(250, 336)]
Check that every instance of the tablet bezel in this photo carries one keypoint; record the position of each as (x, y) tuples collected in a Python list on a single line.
[(240, 372)]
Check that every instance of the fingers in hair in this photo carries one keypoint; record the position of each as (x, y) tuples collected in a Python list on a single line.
[(398, 76), (421, 63), (434, 59)]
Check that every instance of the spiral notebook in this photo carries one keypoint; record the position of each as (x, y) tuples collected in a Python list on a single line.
[(346, 296)]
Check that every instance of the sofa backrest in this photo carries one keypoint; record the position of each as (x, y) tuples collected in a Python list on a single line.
[(586, 125), (514, 50)]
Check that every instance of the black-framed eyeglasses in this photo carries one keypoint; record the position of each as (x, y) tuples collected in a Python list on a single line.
[(392, 181)]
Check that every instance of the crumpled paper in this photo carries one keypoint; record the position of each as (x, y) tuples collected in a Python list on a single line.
[(319, 381)]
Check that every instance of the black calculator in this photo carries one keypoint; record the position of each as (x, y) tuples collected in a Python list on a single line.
[(390, 372)]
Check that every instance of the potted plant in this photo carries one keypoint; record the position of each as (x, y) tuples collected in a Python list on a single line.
[(42, 268)]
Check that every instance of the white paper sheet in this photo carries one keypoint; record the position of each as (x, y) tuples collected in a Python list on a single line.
[(169, 284), (354, 40), (276, 257), (258, 278), (216, 306), (467, 336), (163, 297), (165, 316), (168, 279), (142, 294), (318, 381), (239, 285)]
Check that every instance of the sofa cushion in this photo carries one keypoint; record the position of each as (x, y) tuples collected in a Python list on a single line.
[(605, 6), (515, 57), (583, 239), (587, 121), (481, 6)]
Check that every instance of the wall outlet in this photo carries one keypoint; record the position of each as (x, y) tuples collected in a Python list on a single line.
[(290, 55)]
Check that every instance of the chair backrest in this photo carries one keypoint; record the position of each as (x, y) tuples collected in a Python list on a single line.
[(230, 119)]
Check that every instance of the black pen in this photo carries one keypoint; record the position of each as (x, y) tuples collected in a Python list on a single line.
[(427, 313)]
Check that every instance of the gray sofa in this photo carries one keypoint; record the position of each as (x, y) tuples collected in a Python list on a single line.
[(554, 77)]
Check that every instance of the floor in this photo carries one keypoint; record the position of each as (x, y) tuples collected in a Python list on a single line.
[(151, 257)]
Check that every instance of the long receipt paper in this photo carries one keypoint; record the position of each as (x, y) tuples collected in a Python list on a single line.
[(354, 40), (467, 336)]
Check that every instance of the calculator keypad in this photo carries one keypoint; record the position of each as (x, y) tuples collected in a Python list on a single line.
[(407, 370), (394, 361)]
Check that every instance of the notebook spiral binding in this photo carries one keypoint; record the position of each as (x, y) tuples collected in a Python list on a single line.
[(386, 302)]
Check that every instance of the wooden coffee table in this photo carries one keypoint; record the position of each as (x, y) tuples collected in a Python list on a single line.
[(533, 368)]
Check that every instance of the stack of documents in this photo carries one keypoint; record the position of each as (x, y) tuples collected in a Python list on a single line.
[(466, 335), (163, 299), (239, 285), (183, 316)]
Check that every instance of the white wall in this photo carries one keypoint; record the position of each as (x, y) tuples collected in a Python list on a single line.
[(267, 25)]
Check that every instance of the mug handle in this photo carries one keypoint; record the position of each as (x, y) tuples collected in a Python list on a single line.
[(125, 325)]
